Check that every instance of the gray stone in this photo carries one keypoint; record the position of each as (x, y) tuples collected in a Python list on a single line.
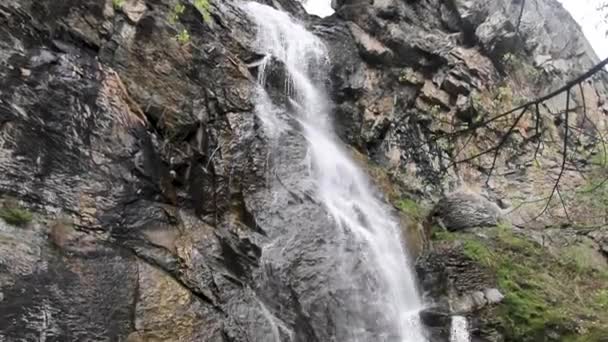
[(493, 296), (479, 299), (461, 210)]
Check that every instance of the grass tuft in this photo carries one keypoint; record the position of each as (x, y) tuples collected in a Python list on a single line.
[(16, 216)]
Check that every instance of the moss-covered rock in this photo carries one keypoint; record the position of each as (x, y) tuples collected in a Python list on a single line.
[(549, 295)]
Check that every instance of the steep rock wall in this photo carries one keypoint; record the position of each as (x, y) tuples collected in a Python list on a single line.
[(138, 150)]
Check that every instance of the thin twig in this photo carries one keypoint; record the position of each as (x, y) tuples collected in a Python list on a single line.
[(564, 156)]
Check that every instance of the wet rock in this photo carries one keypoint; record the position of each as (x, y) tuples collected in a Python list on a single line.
[(434, 317), (82, 294), (446, 272)]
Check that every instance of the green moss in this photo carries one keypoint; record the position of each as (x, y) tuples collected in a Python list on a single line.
[(580, 259), (409, 76), (411, 208), (598, 334), (204, 7), (601, 299), (118, 4), (441, 234), (183, 37), (16, 216), (516, 243), (176, 12), (542, 293), (477, 251)]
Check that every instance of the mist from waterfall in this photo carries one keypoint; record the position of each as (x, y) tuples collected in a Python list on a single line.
[(390, 298)]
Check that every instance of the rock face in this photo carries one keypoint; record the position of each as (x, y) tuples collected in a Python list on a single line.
[(128, 129)]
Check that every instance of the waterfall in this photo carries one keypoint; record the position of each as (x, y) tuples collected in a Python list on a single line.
[(388, 297), (459, 331)]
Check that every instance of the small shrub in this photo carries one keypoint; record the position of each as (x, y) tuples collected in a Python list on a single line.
[(435, 110), (204, 7), (176, 13), (477, 103), (183, 37), (118, 4), (408, 75), (16, 216), (411, 208)]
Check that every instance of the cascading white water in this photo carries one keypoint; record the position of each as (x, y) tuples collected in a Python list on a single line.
[(459, 332), (341, 186)]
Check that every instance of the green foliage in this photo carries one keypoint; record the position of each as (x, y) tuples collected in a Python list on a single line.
[(411, 208), (16, 216), (408, 75), (542, 292), (477, 103), (441, 234), (504, 94), (118, 4), (601, 299), (183, 37), (176, 13), (435, 110), (477, 251), (578, 259), (204, 7), (503, 99)]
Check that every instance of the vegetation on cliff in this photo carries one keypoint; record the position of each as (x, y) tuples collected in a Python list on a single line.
[(550, 295)]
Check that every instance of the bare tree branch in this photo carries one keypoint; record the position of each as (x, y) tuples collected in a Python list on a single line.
[(564, 156)]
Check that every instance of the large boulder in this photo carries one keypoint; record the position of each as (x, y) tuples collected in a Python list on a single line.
[(461, 210)]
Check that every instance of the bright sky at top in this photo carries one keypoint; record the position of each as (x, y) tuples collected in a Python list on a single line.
[(322, 8), (586, 14)]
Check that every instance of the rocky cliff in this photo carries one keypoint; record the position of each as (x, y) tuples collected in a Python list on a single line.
[(135, 176)]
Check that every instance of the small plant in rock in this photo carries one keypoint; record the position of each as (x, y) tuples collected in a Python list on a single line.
[(411, 208), (434, 111), (204, 7), (409, 76), (118, 4), (176, 12), (509, 60), (16, 216), (477, 103), (183, 37), (504, 98)]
